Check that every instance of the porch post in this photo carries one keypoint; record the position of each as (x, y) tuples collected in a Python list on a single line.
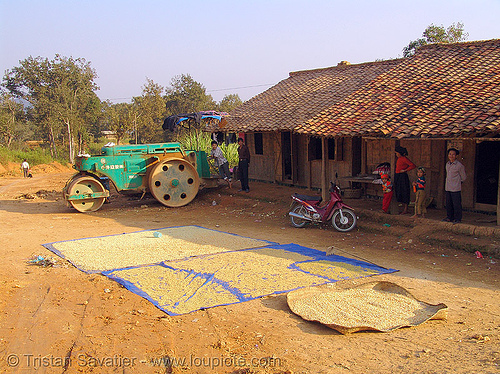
[(309, 177), (294, 146), (363, 156), (393, 209), (441, 151), (324, 158), (498, 198)]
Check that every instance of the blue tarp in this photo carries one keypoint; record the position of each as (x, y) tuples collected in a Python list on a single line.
[(183, 286)]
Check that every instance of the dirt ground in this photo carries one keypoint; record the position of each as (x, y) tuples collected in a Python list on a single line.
[(61, 320)]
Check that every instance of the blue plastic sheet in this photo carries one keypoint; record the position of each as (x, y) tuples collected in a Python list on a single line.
[(183, 286)]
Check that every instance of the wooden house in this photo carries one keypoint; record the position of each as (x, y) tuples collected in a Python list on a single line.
[(267, 121), (446, 95), (347, 119)]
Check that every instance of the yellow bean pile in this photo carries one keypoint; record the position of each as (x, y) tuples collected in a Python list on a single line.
[(140, 248)]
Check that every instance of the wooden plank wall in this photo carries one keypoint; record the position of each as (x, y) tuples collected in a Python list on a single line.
[(262, 167), (430, 154), (342, 165), (303, 171)]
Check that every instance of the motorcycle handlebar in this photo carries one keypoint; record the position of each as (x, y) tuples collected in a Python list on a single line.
[(334, 187)]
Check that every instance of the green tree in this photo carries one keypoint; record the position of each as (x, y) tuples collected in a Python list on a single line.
[(437, 34), (187, 96), (118, 118), (13, 121), (60, 93), (148, 113), (229, 102)]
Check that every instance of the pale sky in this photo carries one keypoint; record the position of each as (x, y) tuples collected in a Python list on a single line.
[(230, 46)]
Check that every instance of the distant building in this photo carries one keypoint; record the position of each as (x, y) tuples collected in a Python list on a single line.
[(110, 135)]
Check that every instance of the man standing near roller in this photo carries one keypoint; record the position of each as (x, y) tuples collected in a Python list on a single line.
[(244, 155)]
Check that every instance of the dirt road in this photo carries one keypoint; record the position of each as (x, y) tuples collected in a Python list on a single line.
[(61, 320)]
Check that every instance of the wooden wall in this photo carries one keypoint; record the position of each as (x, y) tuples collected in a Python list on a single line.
[(342, 165), (430, 154), (263, 167), (269, 165)]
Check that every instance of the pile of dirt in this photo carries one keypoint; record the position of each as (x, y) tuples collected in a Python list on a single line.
[(10, 168), (14, 169), (53, 167)]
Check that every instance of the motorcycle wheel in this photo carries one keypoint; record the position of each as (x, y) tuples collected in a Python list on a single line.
[(297, 222), (346, 223)]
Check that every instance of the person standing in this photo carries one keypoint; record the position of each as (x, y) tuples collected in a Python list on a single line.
[(221, 162), (401, 180), (26, 168), (387, 190), (244, 156), (455, 176), (419, 188)]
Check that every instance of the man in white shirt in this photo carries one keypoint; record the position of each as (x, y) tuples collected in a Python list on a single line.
[(26, 168), (455, 176)]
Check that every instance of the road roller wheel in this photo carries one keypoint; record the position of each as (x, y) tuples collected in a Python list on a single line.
[(85, 185), (174, 182)]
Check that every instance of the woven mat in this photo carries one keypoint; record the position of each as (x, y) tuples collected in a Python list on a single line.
[(380, 306), (183, 286), (99, 254)]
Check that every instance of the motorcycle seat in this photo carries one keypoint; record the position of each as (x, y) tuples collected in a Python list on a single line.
[(307, 198)]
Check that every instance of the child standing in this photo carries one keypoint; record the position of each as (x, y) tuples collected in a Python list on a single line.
[(387, 189), (221, 162), (419, 189)]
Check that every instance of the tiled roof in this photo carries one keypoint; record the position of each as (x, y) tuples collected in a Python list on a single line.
[(444, 90), (303, 95)]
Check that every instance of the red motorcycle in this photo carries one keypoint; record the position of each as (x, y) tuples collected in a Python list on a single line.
[(306, 209)]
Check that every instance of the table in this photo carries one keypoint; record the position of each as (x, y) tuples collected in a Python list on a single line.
[(369, 179)]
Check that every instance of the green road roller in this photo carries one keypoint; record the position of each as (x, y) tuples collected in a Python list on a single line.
[(171, 174)]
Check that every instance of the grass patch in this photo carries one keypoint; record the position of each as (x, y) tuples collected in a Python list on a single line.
[(200, 141), (34, 157)]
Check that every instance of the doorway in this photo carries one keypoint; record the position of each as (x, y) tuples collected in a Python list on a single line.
[(487, 164), (356, 155), (286, 149), (289, 156)]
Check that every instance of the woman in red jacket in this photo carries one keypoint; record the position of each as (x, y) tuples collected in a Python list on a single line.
[(401, 180)]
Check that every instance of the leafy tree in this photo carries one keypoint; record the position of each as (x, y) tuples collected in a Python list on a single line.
[(13, 125), (437, 34), (135, 114), (229, 102), (149, 113), (118, 118), (187, 96), (60, 93)]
